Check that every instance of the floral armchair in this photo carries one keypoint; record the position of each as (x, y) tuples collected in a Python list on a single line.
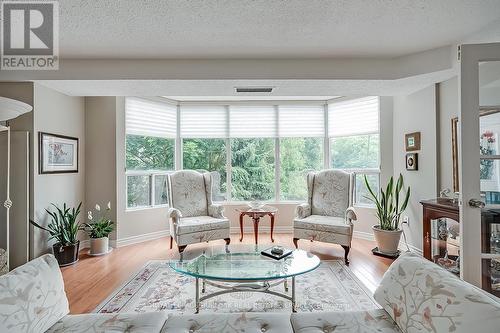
[(193, 217), (328, 215)]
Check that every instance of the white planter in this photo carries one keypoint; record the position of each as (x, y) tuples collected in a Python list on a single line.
[(387, 241), (99, 246)]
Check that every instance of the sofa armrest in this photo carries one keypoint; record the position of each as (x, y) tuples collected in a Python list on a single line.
[(216, 211), (350, 215), (302, 211)]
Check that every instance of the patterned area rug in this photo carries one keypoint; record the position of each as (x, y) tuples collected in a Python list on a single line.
[(156, 287)]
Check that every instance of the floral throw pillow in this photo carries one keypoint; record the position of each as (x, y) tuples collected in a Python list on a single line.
[(422, 297)]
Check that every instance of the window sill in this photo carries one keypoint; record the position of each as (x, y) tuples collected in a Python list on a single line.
[(137, 209)]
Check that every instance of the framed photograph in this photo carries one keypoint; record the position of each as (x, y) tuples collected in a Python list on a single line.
[(57, 153), (412, 161), (412, 141)]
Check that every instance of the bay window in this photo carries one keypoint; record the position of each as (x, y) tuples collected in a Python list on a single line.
[(353, 128), (252, 169), (203, 131), (254, 151), (150, 127)]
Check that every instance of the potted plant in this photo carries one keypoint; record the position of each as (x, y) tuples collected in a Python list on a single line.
[(99, 231), (389, 209), (63, 228)]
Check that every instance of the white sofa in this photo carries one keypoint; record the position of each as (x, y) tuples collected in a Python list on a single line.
[(416, 296)]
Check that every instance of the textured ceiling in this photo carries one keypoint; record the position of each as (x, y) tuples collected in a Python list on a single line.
[(267, 28)]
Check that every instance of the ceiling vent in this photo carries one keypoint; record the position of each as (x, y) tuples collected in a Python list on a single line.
[(254, 89)]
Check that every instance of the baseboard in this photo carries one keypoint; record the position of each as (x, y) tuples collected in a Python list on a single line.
[(141, 238), (363, 235)]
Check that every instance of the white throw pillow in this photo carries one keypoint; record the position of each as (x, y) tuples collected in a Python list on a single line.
[(32, 296)]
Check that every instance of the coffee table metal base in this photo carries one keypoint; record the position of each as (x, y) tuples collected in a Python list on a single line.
[(239, 286)]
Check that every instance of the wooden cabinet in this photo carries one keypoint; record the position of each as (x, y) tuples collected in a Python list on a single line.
[(436, 247), (432, 210)]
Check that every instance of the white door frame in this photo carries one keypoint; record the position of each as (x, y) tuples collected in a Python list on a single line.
[(470, 218)]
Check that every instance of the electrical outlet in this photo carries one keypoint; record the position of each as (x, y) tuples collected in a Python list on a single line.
[(406, 219)]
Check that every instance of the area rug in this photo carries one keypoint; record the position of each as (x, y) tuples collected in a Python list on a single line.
[(156, 287)]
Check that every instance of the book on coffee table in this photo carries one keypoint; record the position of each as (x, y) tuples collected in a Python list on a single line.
[(268, 253)]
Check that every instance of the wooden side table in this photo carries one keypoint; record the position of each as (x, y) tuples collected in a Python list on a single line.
[(256, 214)]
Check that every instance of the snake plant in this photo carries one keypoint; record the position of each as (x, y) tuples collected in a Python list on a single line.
[(388, 204), (63, 228)]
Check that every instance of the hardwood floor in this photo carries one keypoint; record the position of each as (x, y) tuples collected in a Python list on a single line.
[(92, 279)]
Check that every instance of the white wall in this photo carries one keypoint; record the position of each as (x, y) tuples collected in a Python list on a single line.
[(100, 154), (417, 113), (59, 114)]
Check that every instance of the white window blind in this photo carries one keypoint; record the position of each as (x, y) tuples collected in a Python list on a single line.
[(203, 121), (301, 121), (150, 118), (353, 117), (253, 122)]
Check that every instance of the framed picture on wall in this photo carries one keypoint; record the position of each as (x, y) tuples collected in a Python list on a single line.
[(412, 161), (57, 153), (412, 141)]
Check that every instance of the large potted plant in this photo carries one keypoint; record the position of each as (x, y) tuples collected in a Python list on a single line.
[(63, 228), (389, 209), (99, 231)]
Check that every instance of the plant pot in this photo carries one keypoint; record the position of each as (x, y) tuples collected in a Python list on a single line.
[(66, 255), (387, 240), (99, 246)]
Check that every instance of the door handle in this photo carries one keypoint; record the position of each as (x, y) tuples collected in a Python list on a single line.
[(474, 203)]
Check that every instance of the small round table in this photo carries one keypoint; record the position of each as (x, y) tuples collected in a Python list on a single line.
[(256, 214)]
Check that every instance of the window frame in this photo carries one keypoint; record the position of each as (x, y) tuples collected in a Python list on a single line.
[(178, 152)]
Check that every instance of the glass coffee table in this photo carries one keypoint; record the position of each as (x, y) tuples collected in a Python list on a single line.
[(245, 269)]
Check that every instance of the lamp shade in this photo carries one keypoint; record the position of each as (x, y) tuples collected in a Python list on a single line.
[(11, 108)]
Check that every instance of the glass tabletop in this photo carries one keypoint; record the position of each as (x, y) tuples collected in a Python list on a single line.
[(263, 209), (246, 264)]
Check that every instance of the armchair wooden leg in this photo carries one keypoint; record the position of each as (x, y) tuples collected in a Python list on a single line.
[(171, 242), (295, 242), (346, 249), (228, 240)]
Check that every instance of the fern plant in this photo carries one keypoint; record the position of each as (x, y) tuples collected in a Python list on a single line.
[(63, 227), (388, 204)]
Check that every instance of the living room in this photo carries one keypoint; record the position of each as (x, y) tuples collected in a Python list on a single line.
[(212, 179)]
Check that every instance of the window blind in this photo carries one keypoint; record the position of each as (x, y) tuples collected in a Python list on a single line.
[(203, 121), (353, 117), (253, 122), (150, 118), (301, 121)]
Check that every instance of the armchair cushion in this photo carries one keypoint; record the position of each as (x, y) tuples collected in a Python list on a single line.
[(188, 193), (32, 296), (187, 225), (331, 193), (422, 297), (324, 223)]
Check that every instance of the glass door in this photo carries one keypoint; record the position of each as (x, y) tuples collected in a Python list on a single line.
[(479, 156)]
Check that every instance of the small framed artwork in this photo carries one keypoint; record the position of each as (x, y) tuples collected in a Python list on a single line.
[(57, 153), (412, 141), (412, 161)]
